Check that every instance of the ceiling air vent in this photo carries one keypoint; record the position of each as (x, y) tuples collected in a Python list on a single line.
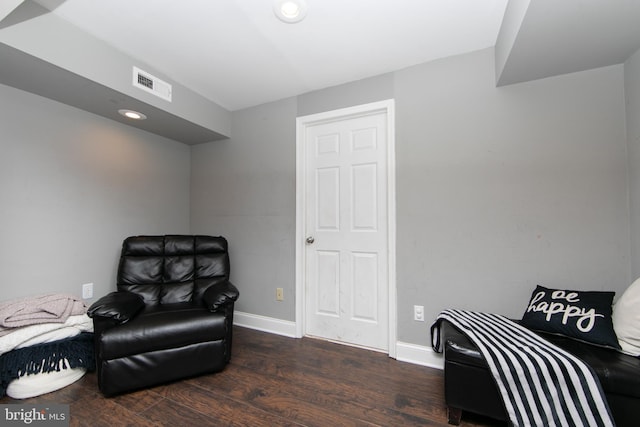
[(147, 82)]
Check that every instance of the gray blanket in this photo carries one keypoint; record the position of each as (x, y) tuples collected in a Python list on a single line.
[(50, 308)]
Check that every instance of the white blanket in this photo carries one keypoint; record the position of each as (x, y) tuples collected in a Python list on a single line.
[(45, 332), (45, 382)]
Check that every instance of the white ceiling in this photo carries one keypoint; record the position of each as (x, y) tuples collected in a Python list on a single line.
[(238, 54)]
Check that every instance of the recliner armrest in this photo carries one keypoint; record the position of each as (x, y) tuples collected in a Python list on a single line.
[(219, 295), (119, 306)]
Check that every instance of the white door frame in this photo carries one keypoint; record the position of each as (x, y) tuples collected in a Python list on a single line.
[(388, 107)]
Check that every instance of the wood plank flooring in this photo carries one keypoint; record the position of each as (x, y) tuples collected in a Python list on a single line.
[(275, 381)]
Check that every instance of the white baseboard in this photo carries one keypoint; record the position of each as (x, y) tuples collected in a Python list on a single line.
[(418, 355), (265, 324), (405, 352)]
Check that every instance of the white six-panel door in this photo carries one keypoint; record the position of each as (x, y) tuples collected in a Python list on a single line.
[(346, 233)]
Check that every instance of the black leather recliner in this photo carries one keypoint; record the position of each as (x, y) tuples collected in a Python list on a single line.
[(171, 316)]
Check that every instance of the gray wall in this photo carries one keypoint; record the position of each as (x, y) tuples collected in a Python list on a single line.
[(347, 95), (72, 186), (632, 97), (244, 189), (498, 189)]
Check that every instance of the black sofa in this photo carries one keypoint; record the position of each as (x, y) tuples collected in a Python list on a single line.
[(469, 385), (171, 316)]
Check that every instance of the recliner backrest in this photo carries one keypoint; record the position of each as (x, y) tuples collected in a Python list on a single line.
[(173, 268)]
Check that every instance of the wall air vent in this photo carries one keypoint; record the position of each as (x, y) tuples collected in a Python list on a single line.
[(147, 82)]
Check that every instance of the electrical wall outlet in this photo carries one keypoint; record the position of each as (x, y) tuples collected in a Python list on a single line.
[(418, 313), (279, 294), (87, 291)]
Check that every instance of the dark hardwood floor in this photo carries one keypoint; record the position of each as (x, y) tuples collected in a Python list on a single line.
[(275, 381)]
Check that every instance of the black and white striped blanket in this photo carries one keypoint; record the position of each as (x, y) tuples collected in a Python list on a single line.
[(540, 384)]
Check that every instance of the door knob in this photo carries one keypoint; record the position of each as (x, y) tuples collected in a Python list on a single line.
[(310, 240)]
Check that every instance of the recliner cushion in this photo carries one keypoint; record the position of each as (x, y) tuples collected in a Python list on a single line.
[(220, 295), (119, 306), (163, 327), (179, 245), (141, 270), (173, 268), (143, 246)]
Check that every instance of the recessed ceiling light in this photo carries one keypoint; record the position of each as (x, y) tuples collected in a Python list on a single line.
[(132, 114), (290, 11)]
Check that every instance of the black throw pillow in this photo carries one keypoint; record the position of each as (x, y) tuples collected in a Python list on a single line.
[(584, 315)]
